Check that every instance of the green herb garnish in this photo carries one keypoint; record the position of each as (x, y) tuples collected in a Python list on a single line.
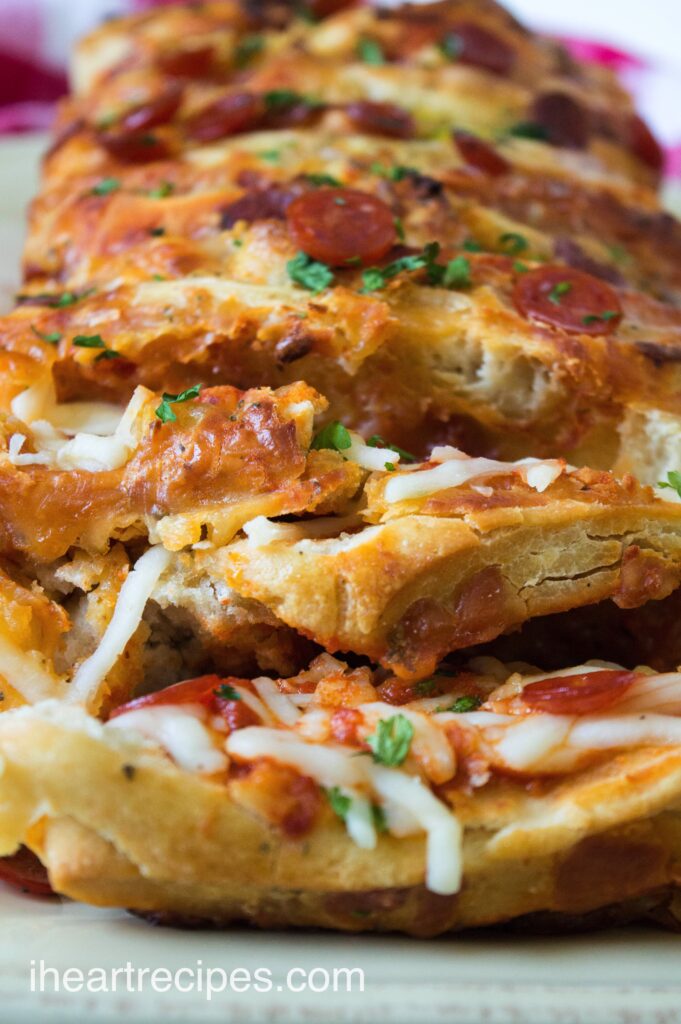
[(595, 318), (270, 156), (558, 291), (451, 46), (399, 228), (225, 692), (106, 186), (53, 338), (340, 803), (309, 273), (376, 441), (370, 51), (322, 179), (96, 341), (391, 742), (333, 435), (246, 49), (528, 130), (162, 191), (673, 481), (457, 273), (463, 704), (513, 243), (165, 412)]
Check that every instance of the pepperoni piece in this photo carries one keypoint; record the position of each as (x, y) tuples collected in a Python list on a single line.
[(341, 225), (480, 155), (186, 63), (158, 110), (469, 43), (563, 120), (236, 713), (24, 871), (381, 119), (582, 694), (644, 145), (261, 204), (134, 148), (569, 299), (190, 691), (230, 115)]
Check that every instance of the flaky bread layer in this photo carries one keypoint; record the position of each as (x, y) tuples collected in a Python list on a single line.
[(117, 825)]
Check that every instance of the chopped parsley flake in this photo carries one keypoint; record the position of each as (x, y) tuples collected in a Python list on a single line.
[(96, 341), (396, 173), (165, 412), (520, 267), (528, 130), (463, 704), (471, 245), (322, 179), (391, 467), (225, 692), (513, 243), (247, 48), (309, 273), (53, 338), (270, 156), (399, 228), (370, 51), (157, 232), (106, 186), (376, 441), (596, 318), (451, 46), (333, 435), (283, 99), (391, 742), (425, 687), (457, 273), (558, 291), (673, 481), (340, 803), (162, 191)]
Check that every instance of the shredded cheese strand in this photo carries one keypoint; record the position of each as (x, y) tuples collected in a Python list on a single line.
[(127, 615)]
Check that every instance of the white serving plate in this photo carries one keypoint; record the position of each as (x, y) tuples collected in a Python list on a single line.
[(628, 976)]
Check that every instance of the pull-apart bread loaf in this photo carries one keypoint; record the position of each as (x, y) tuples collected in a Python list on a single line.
[(337, 583)]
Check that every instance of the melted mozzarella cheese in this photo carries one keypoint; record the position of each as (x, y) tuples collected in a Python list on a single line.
[(331, 765), (180, 731), (127, 616), (280, 704), (445, 836), (368, 457), (92, 436), (28, 673), (456, 469)]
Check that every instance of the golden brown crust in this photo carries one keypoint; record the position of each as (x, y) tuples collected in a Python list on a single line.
[(201, 855)]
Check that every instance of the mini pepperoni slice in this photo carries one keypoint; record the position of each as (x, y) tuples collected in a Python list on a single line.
[(260, 204), (644, 145), (563, 120), (230, 115), (339, 226), (470, 43), (24, 871), (134, 147), (190, 691), (584, 693), (381, 119), (480, 155), (185, 62), (158, 110), (569, 299)]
